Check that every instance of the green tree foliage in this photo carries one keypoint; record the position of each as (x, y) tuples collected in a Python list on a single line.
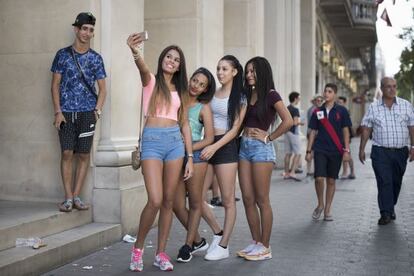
[(405, 77)]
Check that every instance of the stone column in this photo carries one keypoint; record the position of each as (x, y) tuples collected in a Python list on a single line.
[(282, 48), (118, 193), (282, 43), (31, 34), (243, 28), (195, 26), (308, 50)]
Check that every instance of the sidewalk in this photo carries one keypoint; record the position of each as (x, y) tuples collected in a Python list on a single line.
[(353, 244)]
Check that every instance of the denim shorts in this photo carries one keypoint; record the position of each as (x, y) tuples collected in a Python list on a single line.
[(163, 143), (196, 157), (254, 150)]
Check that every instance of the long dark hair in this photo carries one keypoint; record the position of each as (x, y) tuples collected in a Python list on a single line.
[(236, 94), (161, 92), (211, 86), (264, 84)]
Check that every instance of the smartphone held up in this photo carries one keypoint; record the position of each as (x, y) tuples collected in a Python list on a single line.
[(143, 35)]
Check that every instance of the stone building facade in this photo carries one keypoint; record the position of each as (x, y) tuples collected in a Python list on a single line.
[(308, 43)]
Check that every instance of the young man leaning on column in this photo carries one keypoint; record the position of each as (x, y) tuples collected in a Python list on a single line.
[(77, 106)]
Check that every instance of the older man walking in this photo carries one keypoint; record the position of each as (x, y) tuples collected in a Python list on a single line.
[(390, 120)]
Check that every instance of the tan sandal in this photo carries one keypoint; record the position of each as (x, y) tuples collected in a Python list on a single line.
[(78, 204), (328, 218), (66, 206), (317, 213)]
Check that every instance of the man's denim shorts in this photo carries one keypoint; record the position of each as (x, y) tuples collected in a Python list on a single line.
[(163, 143), (254, 150)]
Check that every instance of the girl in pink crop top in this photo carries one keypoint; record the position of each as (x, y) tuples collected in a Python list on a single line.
[(165, 138), (164, 111)]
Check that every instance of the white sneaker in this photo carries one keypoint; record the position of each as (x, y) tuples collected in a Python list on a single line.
[(216, 240), (136, 259), (247, 249), (259, 253), (163, 261), (217, 253)]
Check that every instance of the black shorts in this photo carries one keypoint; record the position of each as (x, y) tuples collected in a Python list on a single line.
[(229, 153), (77, 133), (327, 164)]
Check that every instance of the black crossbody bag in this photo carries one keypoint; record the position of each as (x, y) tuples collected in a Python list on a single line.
[(83, 79)]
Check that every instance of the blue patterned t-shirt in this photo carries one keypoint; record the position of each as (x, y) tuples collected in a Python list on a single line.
[(74, 95)]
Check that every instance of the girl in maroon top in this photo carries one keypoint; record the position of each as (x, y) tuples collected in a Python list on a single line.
[(257, 155)]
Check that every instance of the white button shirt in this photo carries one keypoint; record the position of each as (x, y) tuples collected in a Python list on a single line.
[(390, 125)]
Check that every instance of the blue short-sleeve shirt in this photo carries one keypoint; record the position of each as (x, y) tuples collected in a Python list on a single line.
[(339, 118), (74, 95)]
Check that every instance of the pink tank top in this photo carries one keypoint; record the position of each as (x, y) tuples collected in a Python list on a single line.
[(161, 112)]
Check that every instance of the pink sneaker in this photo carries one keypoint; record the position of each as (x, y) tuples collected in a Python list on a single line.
[(162, 260), (136, 259)]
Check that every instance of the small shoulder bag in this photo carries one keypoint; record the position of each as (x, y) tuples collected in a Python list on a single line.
[(136, 154)]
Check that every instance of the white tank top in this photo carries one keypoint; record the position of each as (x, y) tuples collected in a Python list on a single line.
[(219, 108)]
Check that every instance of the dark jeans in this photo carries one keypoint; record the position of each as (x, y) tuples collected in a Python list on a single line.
[(389, 167)]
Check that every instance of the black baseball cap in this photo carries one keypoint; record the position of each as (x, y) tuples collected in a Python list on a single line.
[(84, 18)]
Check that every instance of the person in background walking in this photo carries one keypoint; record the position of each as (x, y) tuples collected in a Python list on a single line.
[(215, 192), (329, 139), (390, 120), (257, 155), (316, 102), (347, 164), (292, 139)]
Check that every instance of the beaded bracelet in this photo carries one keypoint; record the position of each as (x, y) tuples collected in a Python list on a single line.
[(138, 53)]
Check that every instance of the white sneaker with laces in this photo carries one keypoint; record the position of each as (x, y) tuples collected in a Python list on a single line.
[(217, 253), (259, 253), (163, 261), (136, 259), (216, 240), (247, 249)]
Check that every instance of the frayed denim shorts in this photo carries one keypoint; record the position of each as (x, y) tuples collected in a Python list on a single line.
[(163, 143), (254, 150), (196, 157)]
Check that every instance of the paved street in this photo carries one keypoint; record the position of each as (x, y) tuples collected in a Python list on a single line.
[(353, 244)]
